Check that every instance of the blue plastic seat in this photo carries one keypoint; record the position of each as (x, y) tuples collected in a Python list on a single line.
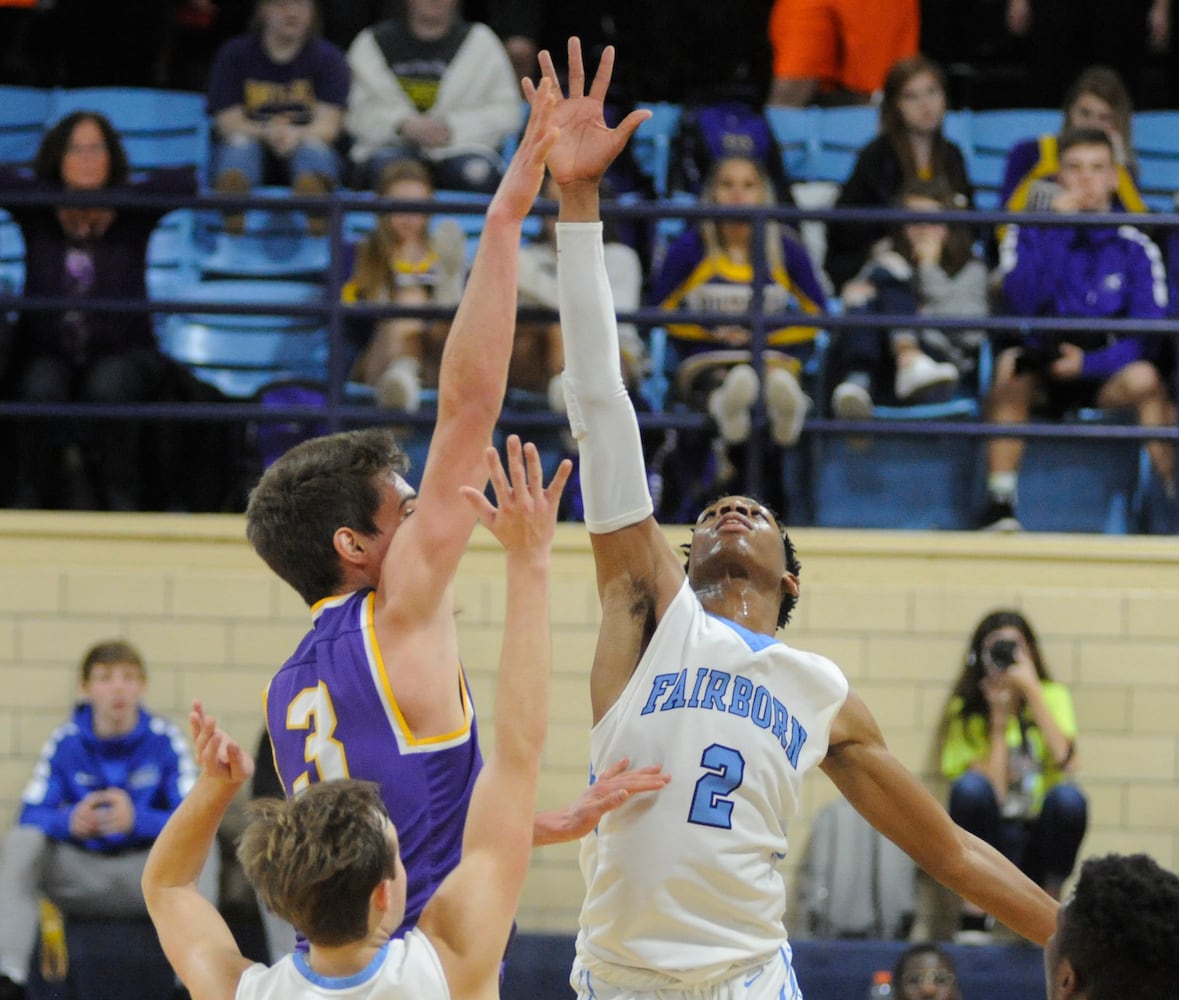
[(12, 255), (23, 114), (918, 482), (240, 353), (1081, 484), (277, 252), (796, 131), (842, 133), (652, 144), (171, 257), (1156, 146)]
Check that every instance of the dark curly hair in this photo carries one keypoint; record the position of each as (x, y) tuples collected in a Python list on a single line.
[(793, 565), (47, 164), (1120, 929)]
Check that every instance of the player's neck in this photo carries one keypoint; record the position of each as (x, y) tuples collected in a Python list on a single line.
[(347, 959), (740, 600)]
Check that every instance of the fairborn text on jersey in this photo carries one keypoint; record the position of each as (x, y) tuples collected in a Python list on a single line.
[(720, 691)]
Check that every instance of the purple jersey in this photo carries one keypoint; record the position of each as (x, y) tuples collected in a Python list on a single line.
[(331, 713)]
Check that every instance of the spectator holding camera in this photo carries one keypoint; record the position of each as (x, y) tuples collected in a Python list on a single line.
[(1092, 272), (1008, 745)]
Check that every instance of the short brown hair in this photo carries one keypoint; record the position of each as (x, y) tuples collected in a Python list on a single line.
[(316, 858), (110, 651), (316, 487)]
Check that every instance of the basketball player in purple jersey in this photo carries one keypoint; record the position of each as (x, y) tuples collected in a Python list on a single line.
[(375, 691)]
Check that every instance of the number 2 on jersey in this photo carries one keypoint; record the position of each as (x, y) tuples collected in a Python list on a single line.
[(726, 770)]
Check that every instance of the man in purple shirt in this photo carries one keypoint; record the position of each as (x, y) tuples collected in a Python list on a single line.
[(1097, 272)]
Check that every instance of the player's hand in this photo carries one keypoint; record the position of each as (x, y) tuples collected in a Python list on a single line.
[(521, 182), (613, 787), (217, 754), (586, 146), (525, 512)]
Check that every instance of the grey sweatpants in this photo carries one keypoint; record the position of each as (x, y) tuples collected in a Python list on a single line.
[(80, 883)]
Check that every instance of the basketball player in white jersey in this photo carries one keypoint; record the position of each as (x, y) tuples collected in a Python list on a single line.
[(683, 895), (327, 860)]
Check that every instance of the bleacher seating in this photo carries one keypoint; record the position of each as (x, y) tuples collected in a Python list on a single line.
[(23, 114), (239, 353), (847, 478)]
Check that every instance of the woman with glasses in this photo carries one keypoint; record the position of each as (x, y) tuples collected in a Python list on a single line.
[(82, 252), (925, 972)]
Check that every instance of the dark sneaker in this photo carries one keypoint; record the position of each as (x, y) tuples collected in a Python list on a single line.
[(1000, 516), (10, 990)]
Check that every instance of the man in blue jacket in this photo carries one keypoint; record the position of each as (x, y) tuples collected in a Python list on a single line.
[(1097, 272), (102, 790)]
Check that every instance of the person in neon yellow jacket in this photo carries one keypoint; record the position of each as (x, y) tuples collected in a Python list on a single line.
[(1008, 745)]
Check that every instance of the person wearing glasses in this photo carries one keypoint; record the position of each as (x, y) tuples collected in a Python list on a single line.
[(926, 972)]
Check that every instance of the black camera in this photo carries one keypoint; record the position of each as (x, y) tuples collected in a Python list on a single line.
[(1000, 654)]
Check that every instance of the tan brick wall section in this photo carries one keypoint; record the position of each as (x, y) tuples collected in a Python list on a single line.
[(893, 609)]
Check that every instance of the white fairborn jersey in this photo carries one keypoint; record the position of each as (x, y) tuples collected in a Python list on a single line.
[(684, 883), (405, 969)]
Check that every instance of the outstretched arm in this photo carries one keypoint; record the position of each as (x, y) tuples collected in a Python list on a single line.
[(470, 916), (422, 560), (638, 572), (193, 934), (890, 798)]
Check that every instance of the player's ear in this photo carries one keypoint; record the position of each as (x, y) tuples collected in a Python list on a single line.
[(349, 545), (790, 584), (1064, 980)]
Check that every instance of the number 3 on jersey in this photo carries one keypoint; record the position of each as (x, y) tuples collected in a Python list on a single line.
[(312, 709), (726, 769)]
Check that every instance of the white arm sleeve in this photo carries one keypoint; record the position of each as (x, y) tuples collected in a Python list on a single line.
[(601, 416)]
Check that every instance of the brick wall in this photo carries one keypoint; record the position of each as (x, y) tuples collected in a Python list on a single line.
[(893, 609)]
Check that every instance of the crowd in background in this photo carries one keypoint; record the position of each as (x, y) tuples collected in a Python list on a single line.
[(405, 98)]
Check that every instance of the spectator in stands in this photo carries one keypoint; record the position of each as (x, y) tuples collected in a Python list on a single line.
[(927, 269), (711, 268), (1078, 271), (105, 784), (84, 252), (925, 971), (910, 146), (430, 85), (537, 354), (838, 51), (277, 98), (1008, 744), (1097, 99), (1118, 935), (404, 261)]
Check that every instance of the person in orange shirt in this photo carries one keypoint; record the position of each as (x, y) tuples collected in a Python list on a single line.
[(838, 50)]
